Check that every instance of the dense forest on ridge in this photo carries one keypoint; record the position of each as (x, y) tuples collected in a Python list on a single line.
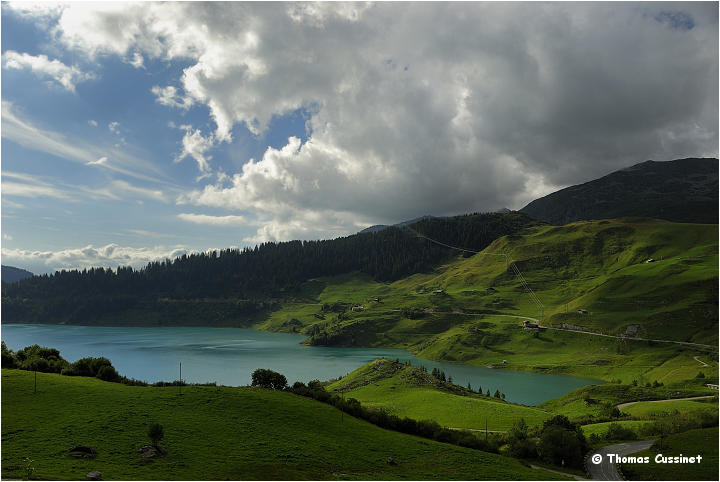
[(269, 270)]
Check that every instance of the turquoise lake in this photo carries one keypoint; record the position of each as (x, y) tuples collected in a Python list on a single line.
[(228, 356)]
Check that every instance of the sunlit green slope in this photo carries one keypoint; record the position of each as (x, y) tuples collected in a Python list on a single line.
[(407, 391), (470, 310), (214, 434)]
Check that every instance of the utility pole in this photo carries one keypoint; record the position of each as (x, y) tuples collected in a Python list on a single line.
[(486, 429), (35, 389), (180, 384)]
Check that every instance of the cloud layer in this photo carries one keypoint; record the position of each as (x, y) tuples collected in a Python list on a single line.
[(419, 108), (110, 255)]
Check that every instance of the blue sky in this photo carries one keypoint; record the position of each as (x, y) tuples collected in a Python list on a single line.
[(137, 131)]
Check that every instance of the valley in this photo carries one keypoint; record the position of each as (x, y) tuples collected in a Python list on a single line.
[(501, 302)]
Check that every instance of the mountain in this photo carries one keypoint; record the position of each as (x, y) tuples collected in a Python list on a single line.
[(684, 190), (11, 274), (379, 227)]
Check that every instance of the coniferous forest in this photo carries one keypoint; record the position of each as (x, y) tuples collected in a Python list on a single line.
[(255, 275)]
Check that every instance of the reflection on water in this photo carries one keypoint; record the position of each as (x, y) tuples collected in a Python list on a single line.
[(228, 356)]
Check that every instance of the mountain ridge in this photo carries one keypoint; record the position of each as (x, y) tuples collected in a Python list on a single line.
[(682, 190), (11, 274)]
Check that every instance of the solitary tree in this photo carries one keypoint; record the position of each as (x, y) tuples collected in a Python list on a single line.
[(156, 433)]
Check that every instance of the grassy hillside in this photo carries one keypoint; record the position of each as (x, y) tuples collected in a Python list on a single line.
[(407, 391), (660, 409), (702, 442), (597, 399), (214, 433), (596, 266), (600, 429)]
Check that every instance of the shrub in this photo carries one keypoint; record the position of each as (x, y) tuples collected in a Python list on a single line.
[(107, 373), (268, 379), (69, 371), (617, 432), (89, 366), (156, 433)]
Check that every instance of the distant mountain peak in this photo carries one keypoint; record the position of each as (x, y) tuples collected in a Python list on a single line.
[(379, 227), (683, 190), (11, 274)]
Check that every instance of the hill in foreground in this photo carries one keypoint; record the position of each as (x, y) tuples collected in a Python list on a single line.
[(684, 190), (214, 434), (408, 391)]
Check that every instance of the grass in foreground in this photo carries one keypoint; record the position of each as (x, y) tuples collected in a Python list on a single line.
[(214, 433)]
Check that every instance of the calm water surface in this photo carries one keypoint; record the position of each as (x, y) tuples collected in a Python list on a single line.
[(228, 356)]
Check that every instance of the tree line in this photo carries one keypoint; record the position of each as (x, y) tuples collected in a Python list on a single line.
[(266, 271)]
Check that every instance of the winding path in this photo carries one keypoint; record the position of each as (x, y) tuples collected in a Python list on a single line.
[(620, 337), (700, 361), (627, 404), (606, 470)]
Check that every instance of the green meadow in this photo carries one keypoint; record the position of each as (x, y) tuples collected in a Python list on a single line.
[(600, 429), (661, 409), (214, 434), (407, 391), (595, 400)]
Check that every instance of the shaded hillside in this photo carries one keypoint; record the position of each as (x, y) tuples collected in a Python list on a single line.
[(243, 281), (11, 274), (684, 190)]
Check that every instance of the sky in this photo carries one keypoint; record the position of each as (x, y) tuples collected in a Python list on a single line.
[(140, 131)]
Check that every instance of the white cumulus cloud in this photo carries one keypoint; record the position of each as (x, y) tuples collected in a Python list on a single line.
[(41, 66)]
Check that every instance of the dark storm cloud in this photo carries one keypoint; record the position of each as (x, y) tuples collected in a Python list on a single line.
[(500, 102)]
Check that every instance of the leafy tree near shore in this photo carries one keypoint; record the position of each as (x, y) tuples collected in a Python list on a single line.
[(8, 357), (265, 378)]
